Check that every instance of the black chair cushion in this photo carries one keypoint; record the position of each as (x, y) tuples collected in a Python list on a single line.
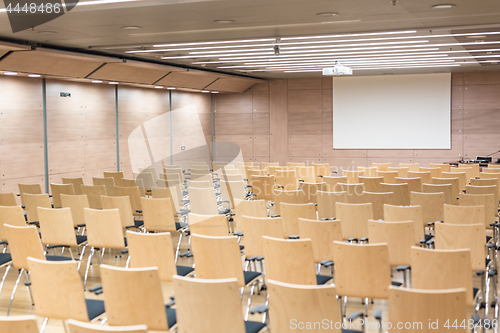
[(428, 237), (184, 270), (80, 239), (5, 258), (95, 308), (253, 326), (138, 223), (171, 317), (488, 238), (242, 247), (396, 284), (350, 331), (177, 226), (322, 279), (58, 258), (249, 276)]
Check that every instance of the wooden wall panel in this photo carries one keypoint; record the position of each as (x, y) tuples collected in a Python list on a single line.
[(304, 101), (278, 117)]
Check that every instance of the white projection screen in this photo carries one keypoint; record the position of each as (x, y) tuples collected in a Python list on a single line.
[(392, 112)]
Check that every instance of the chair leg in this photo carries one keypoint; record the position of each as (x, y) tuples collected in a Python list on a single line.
[(249, 303), (44, 325), (14, 290), (89, 261), (189, 242), (81, 256), (366, 306), (177, 251), (29, 287), (345, 305), (4, 277)]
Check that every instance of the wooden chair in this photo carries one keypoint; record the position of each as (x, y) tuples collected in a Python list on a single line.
[(109, 184), (208, 225), (241, 167), (372, 184), (331, 183), (407, 213), (231, 190), (435, 172), (292, 197), (401, 192), (117, 176), (203, 201), (483, 182), (353, 176), (58, 294), (291, 261), (211, 306), (232, 177), (311, 190), (266, 165), (57, 190), (295, 164), (378, 200), (252, 208), (369, 172), (11, 215), (199, 184), (463, 214), (133, 296), (77, 204), (483, 190), (28, 189), (290, 213), (79, 327), (77, 184), (321, 170), (446, 189), (442, 269), (381, 166), (389, 176), (326, 203), (354, 219), (455, 185), (426, 177), (402, 172), (8, 199), (485, 200), (462, 178), (18, 324), (411, 166), (418, 308), (399, 237), (155, 250), (158, 215), (443, 167), (414, 184), (469, 172), (432, 205), (256, 172), (286, 179), (305, 174), (94, 194), (352, 190), (134, 194), (263, 187), (32, 202)]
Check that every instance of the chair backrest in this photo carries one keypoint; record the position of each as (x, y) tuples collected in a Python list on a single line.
[(295, 164), (352, 190), (217, 257), (8, 199), (11, 215), (203, 201), (287, 179), (321, 170), (435, 172), (256, 227), (441, 269), (208, 305), (410, 166), (133, 193), (77, 184), (116, 175), (231, 190), (331, 183), (443, 167), (432, 205), (109, 183), (231, 175), (354, 219), (292, 197), (492, 189), (484, 175), (79, 327), (32, 202), (372, 184), (241, 167), (253, 208), (56, 226), (94, 194), (327, 201), (446, 189), (289, 260), (402, 171), (483, 182), (378, 200), (251, 173), (208, 225), (462, 178), (152, 171), (123, 205), (133, 296), (311, 190), (306, 174), (266, 165), (465, 236), (454, 182), (202, 177), (104, 228), (401, 193), (414, 184), (322, 234), (170, 192), (407, 213), (291, 304), (399, 236), (381, 166), (486, 200), (263, 187), (158, 214), (389, 176), (30, 189), (353, 176), (369, 171), (290, 213), (19, 324), (152, 250), (454, 214), (57, 290), (417, 309), (24, 242), (200, 169), (369, 277), (77, 204)]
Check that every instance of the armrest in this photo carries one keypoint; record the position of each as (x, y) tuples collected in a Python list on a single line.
[(355, 315), (326, 263), (172, 297), (94, 289), (125, 251), (403, 268), (245, 179), (430, 242), (378, 314), (301, 181), (275, 215), (130, 227), (55, 246), (186, 254), (350, 240), (238, 234), (476, 318), (139, 211), (81, 225), (247, 186), (364, 239), (279, 186), (170, 304), (294, 237), (260, 309)]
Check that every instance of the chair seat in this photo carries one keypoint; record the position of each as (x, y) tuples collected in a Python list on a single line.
[(138, 223), (250, 276), (253, 326), (350, 331), (224, 212), (171, 317), (58, 258), (322, 279), (177, 226), (428, 237), (95, 308), (488, 238), (80, 239), (184, 270), (5, 258), (242, 247), (396, 284)]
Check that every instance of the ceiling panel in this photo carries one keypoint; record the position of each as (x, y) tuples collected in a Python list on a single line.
[(231, 85), (186, 80), (125, 72)]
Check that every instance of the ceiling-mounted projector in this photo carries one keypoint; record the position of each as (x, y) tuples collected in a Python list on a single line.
[(337, 70)]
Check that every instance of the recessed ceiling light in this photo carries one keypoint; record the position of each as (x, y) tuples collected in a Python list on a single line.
[(205, 91), (444, 6), (159, 87), (47, 32), (215, 92), (34, 75), (171, 88), (96, 81), (489, 52), (132, 27), (10, 73), (112, 82), (476, 37), (224, 21), (327, 14)]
